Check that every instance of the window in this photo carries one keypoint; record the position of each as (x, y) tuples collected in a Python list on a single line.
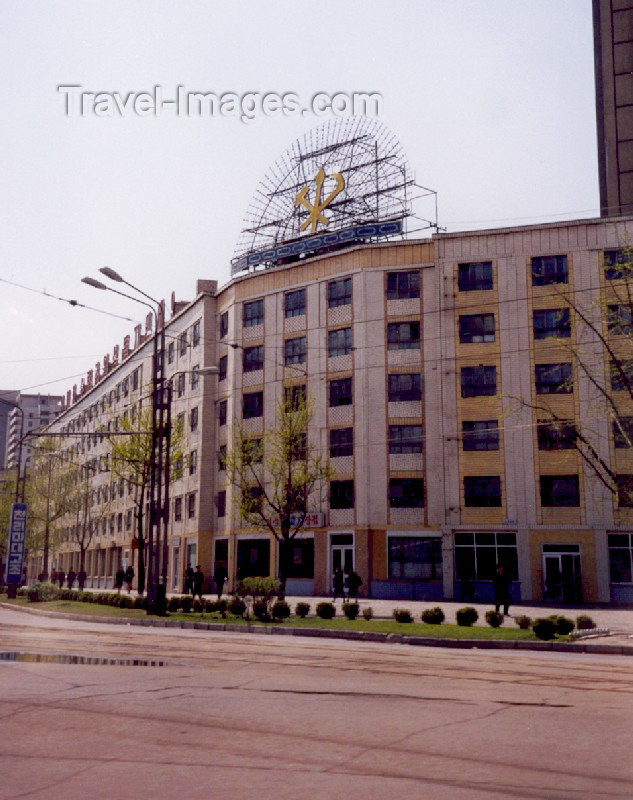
[(170, 352), (223, 364), (622, 375), (479, 381), (177, 466), (193, 419), (224, 325), (191, 505), (341, 442), (403, 335), (178, 509), (552, 323), (482, 491), (221, 503), (252, 497), (477, 555), (549, 269), (553, 379), (617, 264), (252, 451), (406, 493), (620, 320), (128, 520), (193, 462), (403, 285), (623, 432), (474, 328), (339, 293), (301, 561), (475, 277), (195, 377), (253, 358), (295, 303), (405, 439), (341, 392), (415, 557), (222, 457), (625, 490), (620, 557), (482, 435), (295, 350), (294, 397), (559, 490), (182, 342), (222, 412), (253, 405), (180, 385), (119, 522), (341, 494), (195, 334), (404, 387), (253, 313), (134, 380), (339, 343), (556, 435)]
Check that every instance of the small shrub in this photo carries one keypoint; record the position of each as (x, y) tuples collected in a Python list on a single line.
[(302, 610), (140, 601), (544, 628), (494, 619), (466, 616), (237, 607), (65, 594), (326, 610), (186, 602), (280, 610), (585, 623), (173, 604), (43, 592), (351, 610), (524, 622), (221, 606), (84, 597), (126, 601), (402, 615), (368, 613), (564, 625), (210, 606), (197, 606), (433, 616), (260, 609)]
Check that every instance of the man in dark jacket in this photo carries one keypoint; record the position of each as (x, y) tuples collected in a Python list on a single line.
[(219, 577), (198, 582), (501, 583)]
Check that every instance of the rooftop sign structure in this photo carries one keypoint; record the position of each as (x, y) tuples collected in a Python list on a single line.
[(344, 182)]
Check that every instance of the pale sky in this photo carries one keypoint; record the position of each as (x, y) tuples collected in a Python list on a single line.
[(493, 102)]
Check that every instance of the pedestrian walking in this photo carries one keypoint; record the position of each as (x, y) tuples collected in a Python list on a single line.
[(61, 577), (81, 579), (338, 581), (219, 577), (198, 582), (501, 583), (71, 578), (118, 579), (129, 577), (354, 582), (189, 580)]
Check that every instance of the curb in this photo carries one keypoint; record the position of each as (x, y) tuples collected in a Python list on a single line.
[(362, 636)]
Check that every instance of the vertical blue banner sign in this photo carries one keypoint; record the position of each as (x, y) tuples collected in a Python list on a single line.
[(15, 548)]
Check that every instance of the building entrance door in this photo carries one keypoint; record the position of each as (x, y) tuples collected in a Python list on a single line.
[(562, 577), (341, 552)]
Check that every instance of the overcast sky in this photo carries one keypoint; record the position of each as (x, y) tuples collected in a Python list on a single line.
[(493, 102)]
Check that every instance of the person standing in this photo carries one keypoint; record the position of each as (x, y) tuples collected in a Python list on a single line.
[(354, 582), (129, 577), (219, 577), (338, 581), (71, 578), (189, 580), (501, 583), (198, 582), (118, 579), (61, 577)]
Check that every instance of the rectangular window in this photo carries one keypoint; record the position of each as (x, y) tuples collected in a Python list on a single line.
[(195, 334), (341, 392), (222, 412), (406, 493), (482, 435), (477, 555), (405, 439), (556, 435), (341, 442), (253, 313), (415, 557), (339, 293), (193, 419), (549, 269), (126, 387), (223, 365), (341, 494), (620, 320), (135, 379), (191, 505), (476, 328), (180, 386), (252, 451), (128, 520), (294, 397), (482, 491), (253, 358), (403, 335), (552, 323), (623, 432), (119, 522), (193, 462), (622, 375), (295, 350), (617, 264), (479, 381), (170, 352), (404, 387), (222, 457), (295, 303), (403, 285), (301, 561), (625, 490), (224, 325), (559, 490), (553, 379), (253, 405), (182, 343), (475, 277), (620, 557), (195, 377), (178, 509), (221, 503), (339, 343)]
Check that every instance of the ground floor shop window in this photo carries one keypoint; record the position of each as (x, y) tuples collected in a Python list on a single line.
[(300, 558), (415, 557), (477, 555), (620, 557), (253, 558)]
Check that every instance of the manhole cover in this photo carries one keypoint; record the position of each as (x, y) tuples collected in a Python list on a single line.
[(72, 659)]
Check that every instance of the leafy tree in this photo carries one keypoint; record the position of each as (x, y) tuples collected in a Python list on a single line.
[(275, 477), (85, 520)]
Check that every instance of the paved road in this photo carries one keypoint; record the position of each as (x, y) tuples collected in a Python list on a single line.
[(261, 717)]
